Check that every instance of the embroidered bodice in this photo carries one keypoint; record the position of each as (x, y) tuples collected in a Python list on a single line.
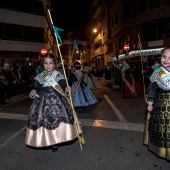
[(41, 83), (162, 77), (56, 75)]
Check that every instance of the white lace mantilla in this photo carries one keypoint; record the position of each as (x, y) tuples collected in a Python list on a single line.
[(125, 67), (77, 73), (56, 75), (162, 78), (86, 69)]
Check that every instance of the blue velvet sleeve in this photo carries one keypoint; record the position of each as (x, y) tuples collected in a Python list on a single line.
[(37, 86), (62, 84), (72, 79)]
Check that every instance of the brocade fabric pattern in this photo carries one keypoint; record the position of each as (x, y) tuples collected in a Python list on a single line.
[(155, 78), (159, 123), (49, 110)]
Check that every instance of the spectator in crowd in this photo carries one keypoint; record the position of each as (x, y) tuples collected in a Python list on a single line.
[(25, 73), (3, 84), (21, 81), (37, 68), (7, 75), (13, 80)]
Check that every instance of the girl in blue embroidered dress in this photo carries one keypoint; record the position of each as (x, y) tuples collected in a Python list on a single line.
[(82, 95)]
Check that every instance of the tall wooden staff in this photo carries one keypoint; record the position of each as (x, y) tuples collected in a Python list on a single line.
[(140, 48), (80, 137)]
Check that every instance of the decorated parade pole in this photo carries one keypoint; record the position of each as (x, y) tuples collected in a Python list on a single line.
[(75, 46), (143, 79), (80, 138)]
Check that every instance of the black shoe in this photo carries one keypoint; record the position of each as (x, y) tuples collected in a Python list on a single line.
[(83, 108), (78, 108), (54, 148)]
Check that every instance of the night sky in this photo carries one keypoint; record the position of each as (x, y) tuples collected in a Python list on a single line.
[(71, 13)]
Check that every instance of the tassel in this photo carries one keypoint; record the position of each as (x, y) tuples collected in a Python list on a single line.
[(81, 139), (80, 124)]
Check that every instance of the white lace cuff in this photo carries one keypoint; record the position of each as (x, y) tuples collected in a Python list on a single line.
[(149, 101), (33, 97)]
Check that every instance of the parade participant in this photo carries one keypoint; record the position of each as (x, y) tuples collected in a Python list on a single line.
[(157, 131), (6, 73), (117, 75), (82, 95), (89, 77), (51, 120), (107, 74), (129, 86)]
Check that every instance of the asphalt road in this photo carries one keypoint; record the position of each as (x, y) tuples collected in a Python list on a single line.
[(113, 131)]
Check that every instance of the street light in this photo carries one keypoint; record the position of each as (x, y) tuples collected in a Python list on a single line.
[(94, 30)]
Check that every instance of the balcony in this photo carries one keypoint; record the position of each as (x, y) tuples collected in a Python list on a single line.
[(98, 39), (150, 15), (96, 13), (98, 51)]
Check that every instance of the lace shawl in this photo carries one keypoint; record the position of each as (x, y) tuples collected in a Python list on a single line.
[(56, 75), (125, 67), (77, 73), (86, 69)]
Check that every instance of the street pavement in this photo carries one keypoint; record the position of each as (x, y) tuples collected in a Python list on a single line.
[(113, 131)]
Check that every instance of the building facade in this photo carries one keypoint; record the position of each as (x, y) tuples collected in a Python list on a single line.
[(120, 22), (24, 29)]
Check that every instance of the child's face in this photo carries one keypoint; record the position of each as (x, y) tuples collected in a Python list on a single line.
[(165, 59), (48, 64)]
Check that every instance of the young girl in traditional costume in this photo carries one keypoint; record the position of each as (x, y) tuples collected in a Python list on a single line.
[(89, 77), (129, 86), (82, 95), (157, 132), (51, 120)]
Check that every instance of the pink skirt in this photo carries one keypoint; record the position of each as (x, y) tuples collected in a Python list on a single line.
[(51, 120)]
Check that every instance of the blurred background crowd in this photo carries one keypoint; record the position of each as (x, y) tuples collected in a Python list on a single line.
[(18, 77)]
